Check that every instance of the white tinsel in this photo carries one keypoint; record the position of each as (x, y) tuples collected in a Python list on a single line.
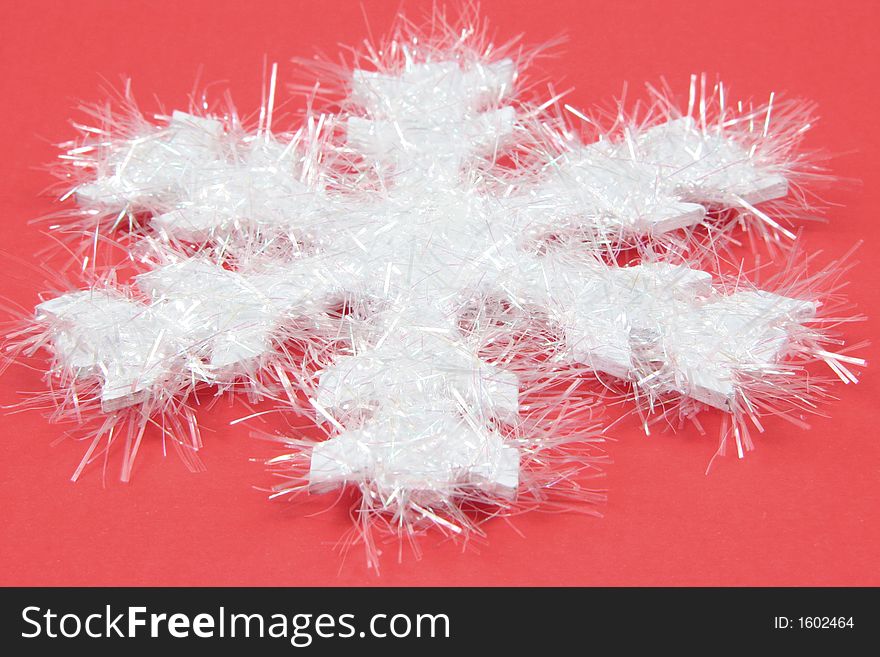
[(255, 238)]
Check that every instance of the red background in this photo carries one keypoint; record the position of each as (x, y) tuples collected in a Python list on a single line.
[(802, 509)]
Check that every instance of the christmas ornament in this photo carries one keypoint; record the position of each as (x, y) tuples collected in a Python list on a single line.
[(437, 270)]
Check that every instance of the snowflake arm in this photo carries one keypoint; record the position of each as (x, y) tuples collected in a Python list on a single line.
[(193, 322), (200, 182), (666, 328), (652, 181)]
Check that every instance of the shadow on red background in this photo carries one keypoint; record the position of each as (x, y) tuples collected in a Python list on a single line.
[(801, 510)]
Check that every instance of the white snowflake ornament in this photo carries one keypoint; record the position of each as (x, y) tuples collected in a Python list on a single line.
[(407, 208)]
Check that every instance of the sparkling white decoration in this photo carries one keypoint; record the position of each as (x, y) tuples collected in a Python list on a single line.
[(405, 237)]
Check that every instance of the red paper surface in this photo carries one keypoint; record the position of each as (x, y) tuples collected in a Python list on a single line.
[(802, 509)]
